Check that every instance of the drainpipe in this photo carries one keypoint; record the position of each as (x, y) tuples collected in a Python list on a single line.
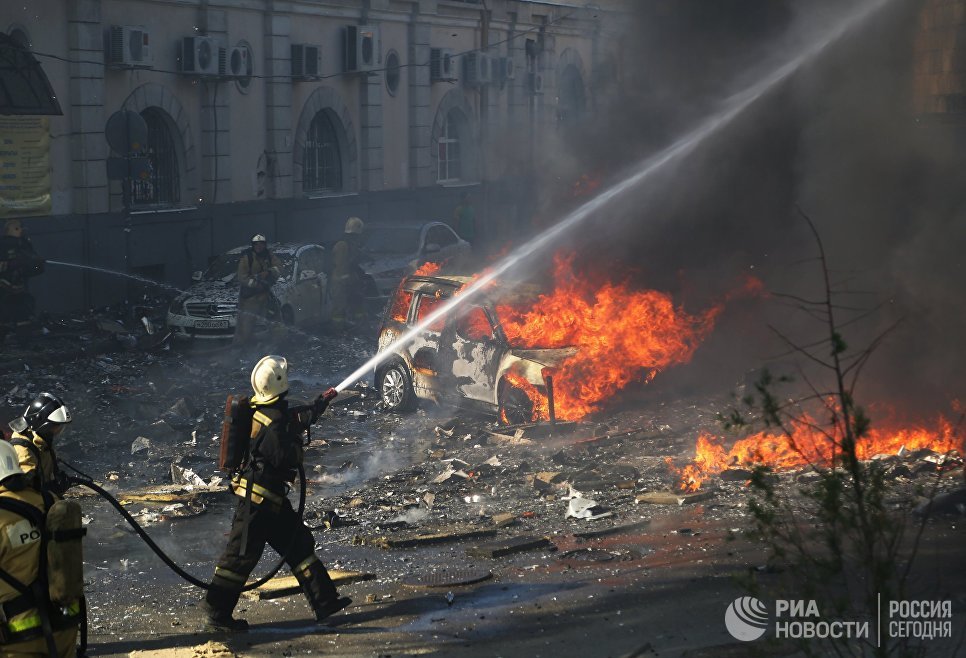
[(484, 118)]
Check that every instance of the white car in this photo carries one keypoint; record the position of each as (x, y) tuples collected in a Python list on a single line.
[(208, 309), (394, 250)]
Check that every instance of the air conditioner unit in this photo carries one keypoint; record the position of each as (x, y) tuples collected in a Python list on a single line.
[(536, 83), (361, 47), (306, 62), (505, 71), (129, 46), (202, 56), (476, 69), (239, 65), (442, 65)]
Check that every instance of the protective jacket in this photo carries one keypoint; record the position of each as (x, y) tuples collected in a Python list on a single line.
[(276, 453), (21, 621), (38, 461), (257, 272)]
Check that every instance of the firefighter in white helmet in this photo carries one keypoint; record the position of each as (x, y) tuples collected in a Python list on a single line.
[(31, 624), (258, 269), (346, 279), (264, 513), (34, 431)]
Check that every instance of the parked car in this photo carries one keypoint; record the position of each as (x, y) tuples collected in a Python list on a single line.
[(395, 250), (208, 309), (463, 358)]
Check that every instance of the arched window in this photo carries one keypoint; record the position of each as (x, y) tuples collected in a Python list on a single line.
[(161, 185), (572, 103), (449, 167), (321, 160)]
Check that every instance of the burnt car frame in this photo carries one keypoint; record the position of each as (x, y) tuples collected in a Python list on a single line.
[(463, 359), (394, 250), (209, 308)]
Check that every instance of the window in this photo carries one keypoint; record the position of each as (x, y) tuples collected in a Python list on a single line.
[(428, 304), (160, 185), (449, 149), (392, 72), (312, 259), (474, 326), (321, 163), (440, 235)]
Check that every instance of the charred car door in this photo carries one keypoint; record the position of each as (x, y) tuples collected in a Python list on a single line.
[(472, 354), (424, 349)]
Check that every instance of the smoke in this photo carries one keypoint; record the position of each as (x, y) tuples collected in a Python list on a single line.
[(839, 140)]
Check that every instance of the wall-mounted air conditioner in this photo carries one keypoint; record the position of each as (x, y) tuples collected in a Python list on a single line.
[(129, 47), (442, 65), (306, 62), (202, 56), (504, 69), (535, 83), (476, 69), (239, 65), (361, 47)]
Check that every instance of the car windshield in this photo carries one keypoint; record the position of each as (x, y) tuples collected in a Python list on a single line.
[(392, 240), (225, 267)]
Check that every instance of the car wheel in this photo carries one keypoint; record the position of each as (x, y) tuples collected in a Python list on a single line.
[(515, 407), (396, 387)]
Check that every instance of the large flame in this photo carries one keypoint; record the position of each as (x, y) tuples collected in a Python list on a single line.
[(807, 446), (623, 335)]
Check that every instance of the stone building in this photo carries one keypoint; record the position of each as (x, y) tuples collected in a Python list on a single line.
[(281, 118)]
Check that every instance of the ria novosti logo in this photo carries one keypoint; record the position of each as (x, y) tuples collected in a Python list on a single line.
[(746, 618)]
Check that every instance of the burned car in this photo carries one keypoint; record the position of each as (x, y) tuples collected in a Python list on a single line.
[(463, 358), (208, 309), (395, 250)]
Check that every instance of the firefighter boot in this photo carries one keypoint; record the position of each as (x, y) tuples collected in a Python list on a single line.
[(319, 589), (218, 605)]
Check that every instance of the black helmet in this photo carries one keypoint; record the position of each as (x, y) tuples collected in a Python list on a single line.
[(46, 411)]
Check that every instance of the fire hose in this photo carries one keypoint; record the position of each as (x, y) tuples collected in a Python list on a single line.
[(86, 481)]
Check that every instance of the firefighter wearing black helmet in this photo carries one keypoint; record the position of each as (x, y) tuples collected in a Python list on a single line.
[(264, 513), (44, 419), (258, 270)]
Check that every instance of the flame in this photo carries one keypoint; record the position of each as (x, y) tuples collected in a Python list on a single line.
[(427, 269), (623, 335), (807, 446)]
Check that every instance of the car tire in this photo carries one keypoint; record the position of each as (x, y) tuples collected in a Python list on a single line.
[(515, 407), (396, 388)]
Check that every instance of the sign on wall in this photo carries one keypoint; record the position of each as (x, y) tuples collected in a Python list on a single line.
[(24, 165)]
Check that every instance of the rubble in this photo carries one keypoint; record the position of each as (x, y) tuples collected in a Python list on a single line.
[(671, 498), (509, 546)]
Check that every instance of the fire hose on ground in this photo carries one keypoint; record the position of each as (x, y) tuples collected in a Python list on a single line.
[(86, 481)]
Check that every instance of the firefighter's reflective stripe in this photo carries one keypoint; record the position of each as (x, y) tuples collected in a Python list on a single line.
[(304, 565), (34, 621), (259, 493), (225, 574), (261, 418)]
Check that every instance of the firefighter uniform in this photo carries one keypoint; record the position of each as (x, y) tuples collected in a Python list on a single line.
[(346, 276), (18, 262), (265, 515), (257, 271), (22, 626), (37, 459)]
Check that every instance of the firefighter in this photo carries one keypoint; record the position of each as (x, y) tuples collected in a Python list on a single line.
[(44, 419), (30, 625), (258, 269), (18, 262), (264, 513), (346, 279)]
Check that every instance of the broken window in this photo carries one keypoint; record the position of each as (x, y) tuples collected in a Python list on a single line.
[(474, 326), (440, 235), (400, 306), (428, 304)]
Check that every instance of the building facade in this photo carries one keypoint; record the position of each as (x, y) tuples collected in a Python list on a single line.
[(285, 118)]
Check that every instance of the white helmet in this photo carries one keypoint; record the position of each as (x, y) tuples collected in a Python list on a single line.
[(354, 225), (259, 238), (269, 378), (9, 462)]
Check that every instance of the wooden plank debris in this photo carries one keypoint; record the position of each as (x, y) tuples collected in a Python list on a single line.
[(281, 586), (508, 546), (439, 536), (672, 498), (503, 520), (614, 530)]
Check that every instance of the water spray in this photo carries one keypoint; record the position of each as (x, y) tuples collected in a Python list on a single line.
[(103, 270), (732, 108)]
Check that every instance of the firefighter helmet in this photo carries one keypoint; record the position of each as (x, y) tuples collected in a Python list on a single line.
[(258, 238), (354, 225), (9, 462), (46, 412), (13, 227), (269, 379)]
